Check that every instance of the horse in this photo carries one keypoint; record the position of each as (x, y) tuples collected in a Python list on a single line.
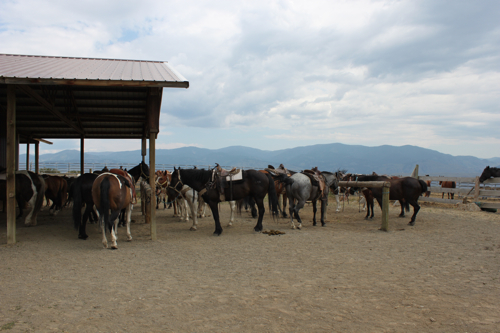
[(406, 190), (162, 182), (30, 188), (81, 192), (448, 184), (56, 190), (112, 192), (254, 184), (489, 173), (301, 188)]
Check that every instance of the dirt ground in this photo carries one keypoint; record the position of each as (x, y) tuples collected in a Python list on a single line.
[(442, 275)]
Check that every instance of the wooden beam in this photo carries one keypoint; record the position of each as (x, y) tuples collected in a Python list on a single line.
[(37, 157), (28, 156), (152, 168), (43, 102), (82, 155), (11, 164)]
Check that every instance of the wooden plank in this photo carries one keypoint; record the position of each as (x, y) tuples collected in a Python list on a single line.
[(489, 193), (452, 179), (490, 205), (364, 184), (448, 201), (464, 191), (152, 157), (385, 209), (11, 164)]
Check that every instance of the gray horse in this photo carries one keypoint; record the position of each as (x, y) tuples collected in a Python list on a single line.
[(300, 189)]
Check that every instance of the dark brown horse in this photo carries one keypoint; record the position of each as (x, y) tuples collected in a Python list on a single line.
[(448, 184), (489, 173), (406, 190), (81, 193), (254, 184), (112, 193), (56, 190)]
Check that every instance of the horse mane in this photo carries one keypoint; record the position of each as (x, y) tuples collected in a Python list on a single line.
[(201, 175)]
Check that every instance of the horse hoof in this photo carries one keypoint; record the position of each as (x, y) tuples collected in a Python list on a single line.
[(412, 223), (84, 237), (192, 229), (114, 247), (323, 224), (217, 232)]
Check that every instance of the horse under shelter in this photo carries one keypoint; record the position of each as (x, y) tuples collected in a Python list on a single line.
[(47, 97)]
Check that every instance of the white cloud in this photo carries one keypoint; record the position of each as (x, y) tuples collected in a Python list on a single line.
[(363, 72)]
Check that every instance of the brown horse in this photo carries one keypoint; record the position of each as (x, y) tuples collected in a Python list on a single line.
[(407, 190), (112, 193), (448, 184), (56, 190)]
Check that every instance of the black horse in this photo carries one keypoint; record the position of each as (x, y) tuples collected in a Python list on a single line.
[(81, 193), (406, 190), (254, 184), (488, 173)]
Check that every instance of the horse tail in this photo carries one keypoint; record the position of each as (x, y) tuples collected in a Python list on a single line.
[(423, 185), (407, 206), (64, 192), (104, 203), (76, 195), (272, 196), (40, 194)]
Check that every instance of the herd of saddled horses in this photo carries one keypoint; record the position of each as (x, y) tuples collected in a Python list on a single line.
[(112, 194)]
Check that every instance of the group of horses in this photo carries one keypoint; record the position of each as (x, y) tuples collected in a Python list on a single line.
[(112, 192)]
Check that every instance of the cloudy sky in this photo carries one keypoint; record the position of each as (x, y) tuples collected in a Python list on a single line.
[(281, 74)]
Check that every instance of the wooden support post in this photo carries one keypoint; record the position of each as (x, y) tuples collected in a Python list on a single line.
[(11, 164), (476, 190), (82, 155), (385, 208), (143, 149), (152, 156), (37, 157), (28, 155)]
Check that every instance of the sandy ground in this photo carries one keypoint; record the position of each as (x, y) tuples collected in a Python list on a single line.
[(441, 275)]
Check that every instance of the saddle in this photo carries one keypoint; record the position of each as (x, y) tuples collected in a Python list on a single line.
[(225, 179), (317, 179)]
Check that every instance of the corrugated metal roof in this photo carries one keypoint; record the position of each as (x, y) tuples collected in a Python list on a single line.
[(59, 97), (81, 70)]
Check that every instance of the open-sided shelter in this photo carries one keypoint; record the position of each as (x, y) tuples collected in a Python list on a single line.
[(44, 97)]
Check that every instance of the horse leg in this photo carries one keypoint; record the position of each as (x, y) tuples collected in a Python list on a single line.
[(284, 205), (324, 203), (114, 236), (402, 203), (314, 212), (103, 228), (82, 234), (232, 204), (338, 202), (128, 214), (416, 208), (300, 204), (193, 205), (215, 213), (260, 206)]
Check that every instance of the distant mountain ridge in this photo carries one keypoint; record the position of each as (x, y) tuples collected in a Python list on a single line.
[(392, 160)]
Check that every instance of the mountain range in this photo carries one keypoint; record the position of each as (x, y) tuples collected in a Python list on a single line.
[(391, 160)]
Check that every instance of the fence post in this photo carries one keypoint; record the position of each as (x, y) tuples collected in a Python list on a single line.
[(385, 207), (476, 190)]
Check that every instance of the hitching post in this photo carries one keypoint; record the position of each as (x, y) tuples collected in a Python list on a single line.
[(385, 206)]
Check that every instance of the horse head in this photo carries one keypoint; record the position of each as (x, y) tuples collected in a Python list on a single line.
[(486, 174)]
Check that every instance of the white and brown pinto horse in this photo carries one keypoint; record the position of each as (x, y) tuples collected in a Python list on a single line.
[(30, 189), (112, 193)]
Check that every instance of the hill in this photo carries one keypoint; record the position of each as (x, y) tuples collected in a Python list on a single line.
[(392, 160)]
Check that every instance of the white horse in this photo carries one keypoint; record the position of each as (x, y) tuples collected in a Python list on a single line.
[(188, 201)]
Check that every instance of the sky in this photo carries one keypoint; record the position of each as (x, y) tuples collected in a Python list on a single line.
[(281, 74)]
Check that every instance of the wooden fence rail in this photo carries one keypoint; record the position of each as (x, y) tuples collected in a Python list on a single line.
[(468, 188)]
